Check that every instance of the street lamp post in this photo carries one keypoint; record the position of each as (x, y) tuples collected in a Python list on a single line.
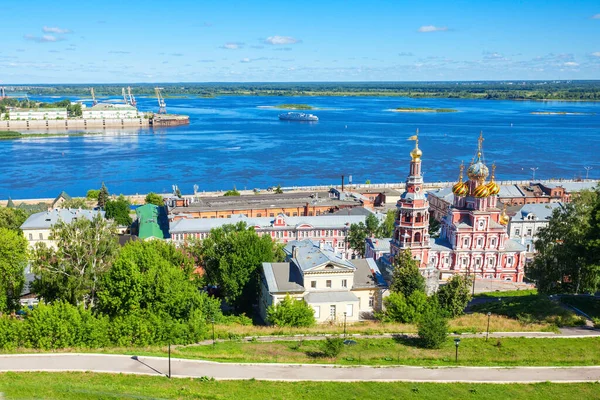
[(587, 171), (533, 172), (344, 324), (456, 343), (487, 334), (169, 358)]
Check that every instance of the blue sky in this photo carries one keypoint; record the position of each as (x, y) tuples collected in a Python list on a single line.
[(235, 41)]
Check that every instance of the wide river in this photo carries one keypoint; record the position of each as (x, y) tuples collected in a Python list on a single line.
[(239, 141)]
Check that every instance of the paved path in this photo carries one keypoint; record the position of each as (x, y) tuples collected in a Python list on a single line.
[(288, 372)]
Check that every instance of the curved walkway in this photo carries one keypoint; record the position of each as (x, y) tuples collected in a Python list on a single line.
[(181, 368)]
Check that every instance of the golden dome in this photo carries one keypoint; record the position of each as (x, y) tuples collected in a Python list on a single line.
[(481, 191), (416, 153), (461, 188), (493, 186), (504, 218)]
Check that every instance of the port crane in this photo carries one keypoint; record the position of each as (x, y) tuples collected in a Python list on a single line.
[(124, 96), (94, 101), (132, 101), (2, 92), (162, 107)]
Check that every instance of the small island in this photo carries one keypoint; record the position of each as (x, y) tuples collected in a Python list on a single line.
[(559, 113), (295, 107), (424, 109)]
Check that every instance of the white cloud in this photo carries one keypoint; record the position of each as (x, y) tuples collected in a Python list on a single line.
[(43, 38), (597, 16), (278, 40), (571, 64), (245, 60), (431, 28), (232, 46), (596, 54), (54, 29)]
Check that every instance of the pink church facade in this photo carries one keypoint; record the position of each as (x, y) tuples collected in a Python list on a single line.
[(473, 238)]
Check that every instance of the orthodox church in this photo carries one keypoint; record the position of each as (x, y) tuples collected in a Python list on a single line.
[(473, 237)]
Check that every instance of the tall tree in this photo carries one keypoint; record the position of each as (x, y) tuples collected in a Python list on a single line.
[(564, 263), (232, 256), (118, 211), (356, 238), (406, 277), (386, 229), (71, 272), (153, 276), (454, 296), (13, 259), (103, 196), (156, 199), (12, 218)]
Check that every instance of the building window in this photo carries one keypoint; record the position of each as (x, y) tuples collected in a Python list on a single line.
[(528, 232), (317, 311), (371, 301), (466, 242), (493, 242), (259, 215), (295, 214), (509, 260), (31, 236), (349, 310), (41, 236), (479, 242), (344, 283), (517, 232), (313, 284), (332, 311), (271, 215), (491, 262), (328, 283)]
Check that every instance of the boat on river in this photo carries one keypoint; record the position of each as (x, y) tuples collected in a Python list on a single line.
[(296, 116)]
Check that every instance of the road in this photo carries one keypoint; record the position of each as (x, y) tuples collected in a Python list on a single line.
[(290, 372)]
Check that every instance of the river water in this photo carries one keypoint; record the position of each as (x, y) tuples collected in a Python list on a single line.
[(239, 141)]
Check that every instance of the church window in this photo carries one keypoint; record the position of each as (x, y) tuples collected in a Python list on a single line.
[(493, 242), (509, 260), (479, 242), (478, 262), (344, 283), (417, 237), (491, 262), (517, 232), (464, 261), (466, 242)]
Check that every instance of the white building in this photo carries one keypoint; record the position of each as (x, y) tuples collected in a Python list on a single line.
[(110, 111), (37, 227), (22, 114), (526, 223), (334, 287), (329, 229)]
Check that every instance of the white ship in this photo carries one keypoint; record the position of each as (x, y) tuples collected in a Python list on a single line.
[(295, 116)]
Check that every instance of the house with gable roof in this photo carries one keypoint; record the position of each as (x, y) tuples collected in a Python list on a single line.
[(336, 288)]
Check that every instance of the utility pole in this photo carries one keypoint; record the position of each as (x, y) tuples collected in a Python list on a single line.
[(587, 172), (533, 171)]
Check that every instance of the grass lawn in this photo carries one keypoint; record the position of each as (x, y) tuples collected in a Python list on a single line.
[(75, 385), (508, 293), (531, 309), (587, 304), (472, 352)]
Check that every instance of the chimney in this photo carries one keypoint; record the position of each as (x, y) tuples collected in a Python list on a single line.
[(342, 183), (294, 251), (321, 245)]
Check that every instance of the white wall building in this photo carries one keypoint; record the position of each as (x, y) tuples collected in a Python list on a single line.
[(329, 229), (37, 227), (334, 287), (526, 223), (22, 114), (111, 111)]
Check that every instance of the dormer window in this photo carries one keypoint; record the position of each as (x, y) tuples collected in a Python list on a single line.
[(329, 266)]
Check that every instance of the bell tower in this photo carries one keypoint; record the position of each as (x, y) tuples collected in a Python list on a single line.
[(412, 217)]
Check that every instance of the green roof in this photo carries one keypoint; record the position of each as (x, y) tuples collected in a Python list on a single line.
[(148, 222)]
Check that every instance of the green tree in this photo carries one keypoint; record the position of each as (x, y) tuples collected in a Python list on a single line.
[(75, 202), (156, 277), (232, 256), (13, 259), (406, 277), (103, 196), (12, 218), (564, 263), (156, 199), (85, 250), (372, 225), (92, 194), (118, 211), (454, 296), (356, 238), (233, 192), (434, 227), (386, 229), (291, 312), (399, 308), (432, 328), (278, 190)]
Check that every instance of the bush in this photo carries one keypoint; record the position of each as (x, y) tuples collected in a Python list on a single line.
[(405, 310), (93, 194), (454, 296), (433, 328), (291, 312), (332, 346)]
